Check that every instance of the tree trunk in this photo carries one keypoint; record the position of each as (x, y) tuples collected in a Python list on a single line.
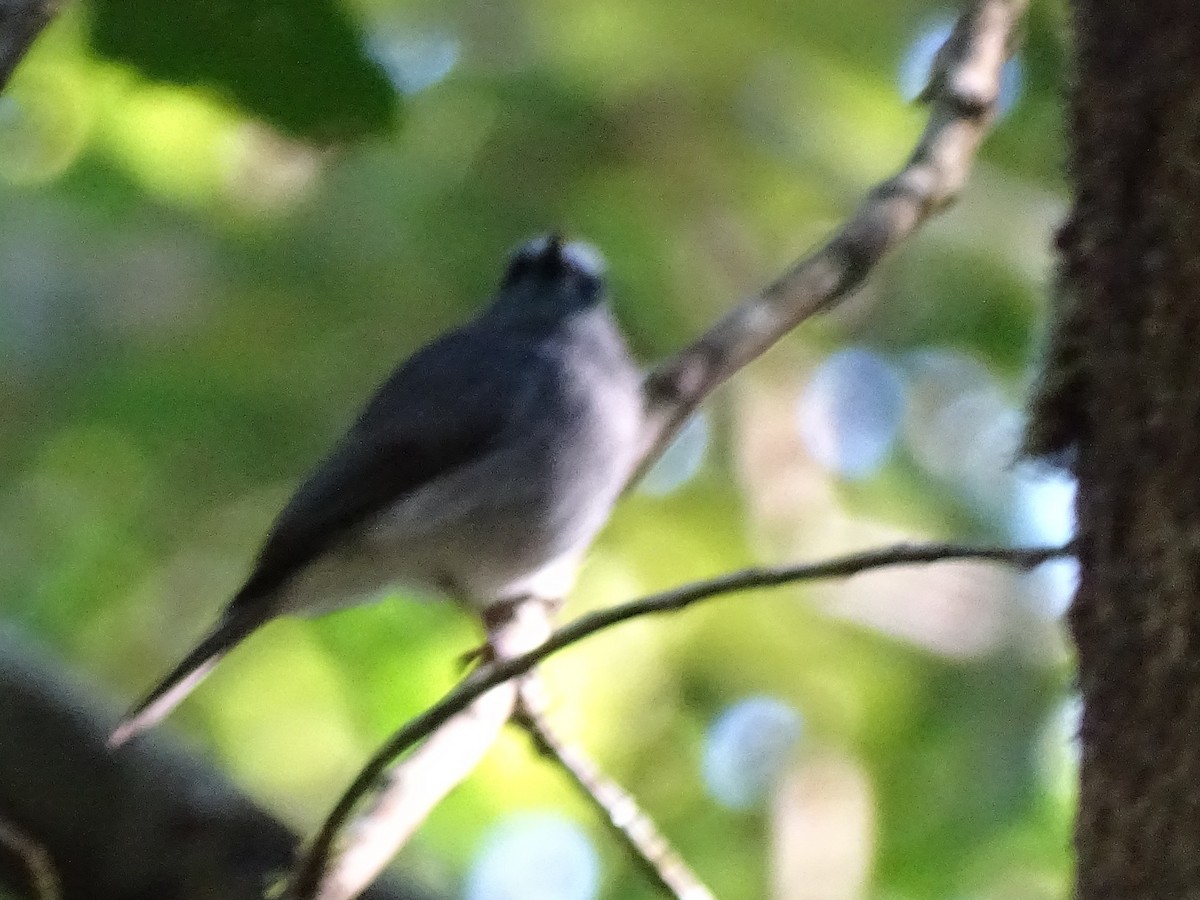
[(1122, 393)]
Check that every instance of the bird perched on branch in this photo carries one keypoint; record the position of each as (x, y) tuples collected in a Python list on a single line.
[(481, 470)]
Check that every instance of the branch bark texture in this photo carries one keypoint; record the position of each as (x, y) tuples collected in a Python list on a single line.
[(961, 96), (1122, 393), (149, 823), (403, 796), (638, 831), (496, 673)]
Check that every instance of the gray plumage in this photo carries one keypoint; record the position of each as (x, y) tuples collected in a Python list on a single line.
[(481, 470)]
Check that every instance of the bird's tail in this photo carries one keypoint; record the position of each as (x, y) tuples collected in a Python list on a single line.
[(235, 624)]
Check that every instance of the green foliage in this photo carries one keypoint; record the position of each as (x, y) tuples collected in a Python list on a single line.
[(196, 294), (296, 63)]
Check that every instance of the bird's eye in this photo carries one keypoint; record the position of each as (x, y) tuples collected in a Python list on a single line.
[(520, 266), (590, 285)]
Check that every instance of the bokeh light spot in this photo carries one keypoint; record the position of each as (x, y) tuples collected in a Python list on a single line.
[(1058, 750), (172, 140), (1044, 514), (1045, 509), (960, 426), (43, 126), (917, 65), (747, 750), (681, 460), (414, 62), (535, 856), (851, 411)]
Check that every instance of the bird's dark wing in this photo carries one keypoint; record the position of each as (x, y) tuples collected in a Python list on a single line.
[(442, 409)]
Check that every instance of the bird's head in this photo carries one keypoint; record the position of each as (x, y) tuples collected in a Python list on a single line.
[(549, 278)]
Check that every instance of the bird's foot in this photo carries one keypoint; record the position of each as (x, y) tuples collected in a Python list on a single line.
[(476, 656)]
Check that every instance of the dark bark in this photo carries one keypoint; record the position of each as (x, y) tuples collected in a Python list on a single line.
[(148, 822), (1123, 393), (20, 22)]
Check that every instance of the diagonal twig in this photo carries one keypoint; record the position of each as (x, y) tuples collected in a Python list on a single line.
[(489, 676), (961, 95), (634, 826), (404, 795)]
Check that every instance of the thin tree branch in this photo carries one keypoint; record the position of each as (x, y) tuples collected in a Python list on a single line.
[(962, 94), (403, 795), (495, 673), (637, 830), (39, 869), (20, 22)]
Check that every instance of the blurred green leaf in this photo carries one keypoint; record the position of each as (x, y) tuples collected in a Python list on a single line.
[(299, 64)]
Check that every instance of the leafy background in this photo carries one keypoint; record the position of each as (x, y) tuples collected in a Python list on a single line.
[(223, 226)]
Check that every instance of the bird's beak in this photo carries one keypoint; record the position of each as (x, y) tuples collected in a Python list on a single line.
[(554, 246), (551, 260)]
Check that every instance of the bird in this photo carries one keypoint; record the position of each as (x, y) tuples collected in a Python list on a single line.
[(480, 471)]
